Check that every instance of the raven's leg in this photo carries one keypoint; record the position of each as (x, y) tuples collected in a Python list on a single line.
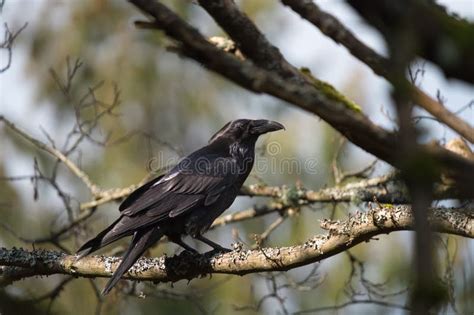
[(179, 241), (216, 246)]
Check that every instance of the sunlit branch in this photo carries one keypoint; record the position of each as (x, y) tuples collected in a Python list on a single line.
[(342, 235)]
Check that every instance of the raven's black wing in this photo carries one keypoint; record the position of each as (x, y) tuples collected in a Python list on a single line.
[(137, 193), (193, 182), (183, 188)]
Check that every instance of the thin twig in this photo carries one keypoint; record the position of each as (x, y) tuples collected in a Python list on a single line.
[(94, 189)]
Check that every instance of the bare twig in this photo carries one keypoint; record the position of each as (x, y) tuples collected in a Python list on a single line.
[(9, 38), (94, 189), (262, 238)]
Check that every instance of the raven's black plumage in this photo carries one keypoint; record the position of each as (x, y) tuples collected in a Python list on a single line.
[(187, 199)]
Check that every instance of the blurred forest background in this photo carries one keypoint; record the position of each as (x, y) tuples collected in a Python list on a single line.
[(168, 106)]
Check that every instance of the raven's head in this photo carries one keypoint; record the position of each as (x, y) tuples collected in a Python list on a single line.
[(246, 129)]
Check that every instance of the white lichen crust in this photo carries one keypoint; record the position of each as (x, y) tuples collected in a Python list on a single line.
[(360, 227)]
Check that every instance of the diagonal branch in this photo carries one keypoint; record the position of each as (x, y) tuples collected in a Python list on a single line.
[(94, 189), (250, 41), (355, 126), (334, 29), (388, 189), (361, 227), (433, 32)]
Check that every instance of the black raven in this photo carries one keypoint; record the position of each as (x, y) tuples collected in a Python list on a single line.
[(187, 199)]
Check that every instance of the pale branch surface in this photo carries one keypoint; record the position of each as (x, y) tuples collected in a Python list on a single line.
[(386, 189), (337, 31), (251, 61), (355, 126), (342, 235)]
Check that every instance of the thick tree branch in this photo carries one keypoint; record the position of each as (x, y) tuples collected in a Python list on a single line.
[(437, 36), (253, 44), (341, 236), (250, 41), (385, 189), (355, 126), (334, 29), (388, 189), (258, 80)]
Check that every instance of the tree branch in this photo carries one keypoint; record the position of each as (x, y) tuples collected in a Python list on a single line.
[(253, 44), (94, 189), (387, 188), (341, 236), (437, 36), (334, 29), (7, 44), (355, 126), (250, 41)]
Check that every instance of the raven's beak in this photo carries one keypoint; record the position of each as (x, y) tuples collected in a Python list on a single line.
[(262, 126)]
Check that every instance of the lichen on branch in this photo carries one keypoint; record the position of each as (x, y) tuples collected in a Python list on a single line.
[(341, 235)]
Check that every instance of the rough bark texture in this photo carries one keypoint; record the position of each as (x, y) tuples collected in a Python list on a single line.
[(353, 125), (444, 39), (334, 29), (342, 235)]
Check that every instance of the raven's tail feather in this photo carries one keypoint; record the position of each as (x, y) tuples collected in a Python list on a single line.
[(141, 241), (111, 234)]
